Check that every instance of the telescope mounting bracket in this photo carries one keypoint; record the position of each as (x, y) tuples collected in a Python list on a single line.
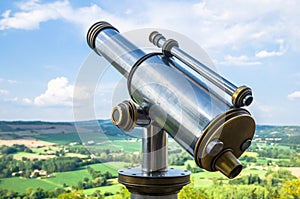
[(154, 179)]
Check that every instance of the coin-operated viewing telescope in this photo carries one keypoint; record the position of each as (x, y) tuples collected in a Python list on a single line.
[(172, 93)]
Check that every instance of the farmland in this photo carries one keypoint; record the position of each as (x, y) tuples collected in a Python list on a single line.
[(94, 156)]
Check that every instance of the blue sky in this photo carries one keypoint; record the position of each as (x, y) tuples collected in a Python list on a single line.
[(253, 42)]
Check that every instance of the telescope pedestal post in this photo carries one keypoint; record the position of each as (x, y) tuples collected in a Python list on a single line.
[(154, 150), (154, 180), (138, 196)]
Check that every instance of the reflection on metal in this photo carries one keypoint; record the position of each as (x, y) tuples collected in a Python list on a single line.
[(170, 47), (158, 184), (168, 98)]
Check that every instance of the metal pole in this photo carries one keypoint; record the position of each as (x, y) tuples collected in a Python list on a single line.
[(154, 149), (155, 157), (159, 40), (137, 196)]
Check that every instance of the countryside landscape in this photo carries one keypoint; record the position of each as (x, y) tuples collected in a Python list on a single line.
[(81, 159)]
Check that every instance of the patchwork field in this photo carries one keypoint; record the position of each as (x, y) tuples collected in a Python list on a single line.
[(56, 152), (28, 141), (61, 179)]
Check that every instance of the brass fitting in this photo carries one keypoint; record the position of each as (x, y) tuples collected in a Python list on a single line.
[(124, 115), (242, 96), (223, 140)]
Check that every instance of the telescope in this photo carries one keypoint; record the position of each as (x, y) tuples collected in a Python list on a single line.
[(174, 94)]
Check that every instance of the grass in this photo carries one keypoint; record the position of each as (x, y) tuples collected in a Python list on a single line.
[(76, 155), (202, 179), (250, 154), (111, 167), (22, 184), (24, 154), (115, 143), (259, 172), (46, 149), (69, 178), (59, 138)]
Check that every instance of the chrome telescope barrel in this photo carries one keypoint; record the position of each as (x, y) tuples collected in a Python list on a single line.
[(207, 128), (120, 52), (170, 48), (163, 87)]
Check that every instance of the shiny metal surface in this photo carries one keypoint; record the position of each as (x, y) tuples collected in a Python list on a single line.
[(155, 184), (138, 196), (214, 147), (197, 81), (196, 65), (182, 105), (177, 105), (170, 47), (205, 71), (154, 149), (116, 49)]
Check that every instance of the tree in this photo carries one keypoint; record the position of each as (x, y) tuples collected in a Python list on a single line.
[(189, 191), (123, 194), (72, 195), (86, 179), (291, 189), (79, 185)]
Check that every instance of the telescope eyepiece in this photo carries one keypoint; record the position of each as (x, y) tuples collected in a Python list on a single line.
[(242, 96), (228, 164)]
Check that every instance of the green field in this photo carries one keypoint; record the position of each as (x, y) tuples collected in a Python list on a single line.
[(115, 143), (22, 184), (59, 179), (59, 138), (121, 147)]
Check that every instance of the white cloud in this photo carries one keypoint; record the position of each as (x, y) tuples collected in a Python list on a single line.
[(10, 81), (59, 93), (264, 53), (280, 52), (32, 13), (213, 23), (294, 95), (26, 101), (242, 60), (15, 99), (3, 92), (23, 101), (6, 14)]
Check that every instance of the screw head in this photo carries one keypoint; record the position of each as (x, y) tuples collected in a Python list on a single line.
[(246, 144), (214, 147)]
